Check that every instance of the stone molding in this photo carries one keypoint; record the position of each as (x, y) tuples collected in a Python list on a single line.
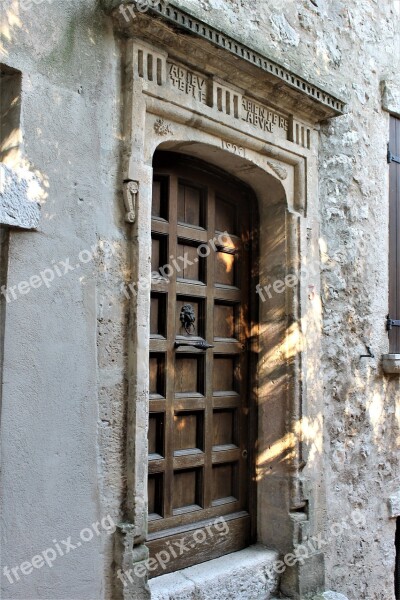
[(164, 26), (17, 208)]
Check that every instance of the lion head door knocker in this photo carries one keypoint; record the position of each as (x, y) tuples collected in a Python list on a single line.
[(188, 318)]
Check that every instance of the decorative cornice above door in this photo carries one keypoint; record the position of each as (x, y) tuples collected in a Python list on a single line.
[(190, 40)]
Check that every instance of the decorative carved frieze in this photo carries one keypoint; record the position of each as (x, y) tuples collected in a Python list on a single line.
[(278, 169), (162, 128), (226, 58), (162, 75)]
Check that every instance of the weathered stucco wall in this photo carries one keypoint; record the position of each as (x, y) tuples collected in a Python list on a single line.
[(64, 388), (54, 376)]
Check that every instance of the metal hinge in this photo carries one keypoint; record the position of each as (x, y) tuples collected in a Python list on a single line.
[(391, 323), (392, 157)]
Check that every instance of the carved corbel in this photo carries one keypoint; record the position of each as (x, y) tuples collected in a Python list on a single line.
[(279, 170), (131, 189)]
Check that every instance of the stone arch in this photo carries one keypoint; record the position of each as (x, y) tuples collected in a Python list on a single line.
[(278, 181)]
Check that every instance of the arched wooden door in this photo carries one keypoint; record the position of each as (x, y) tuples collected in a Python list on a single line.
[(202, 417)]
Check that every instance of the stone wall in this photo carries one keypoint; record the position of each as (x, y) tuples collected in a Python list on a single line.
[(64, 396), (57, 379)]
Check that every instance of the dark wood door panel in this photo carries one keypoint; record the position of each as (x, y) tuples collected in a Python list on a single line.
[(204, 541), (200, 443)]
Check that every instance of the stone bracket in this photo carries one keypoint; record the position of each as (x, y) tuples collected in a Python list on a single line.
[(131, 190), (391, 364)]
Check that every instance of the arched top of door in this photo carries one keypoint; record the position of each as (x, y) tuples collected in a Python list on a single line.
[(232, 169)]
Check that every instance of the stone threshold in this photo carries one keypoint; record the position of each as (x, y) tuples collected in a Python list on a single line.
[(242, 575)]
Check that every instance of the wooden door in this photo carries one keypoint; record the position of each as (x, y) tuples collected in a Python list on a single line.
[(202, 418)]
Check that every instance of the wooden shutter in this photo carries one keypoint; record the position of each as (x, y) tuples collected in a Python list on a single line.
[(394, 233)]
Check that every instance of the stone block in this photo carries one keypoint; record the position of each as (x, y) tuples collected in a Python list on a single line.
[(304, 579), (247, 574), (17, 194), (394, 505), (391, 96)]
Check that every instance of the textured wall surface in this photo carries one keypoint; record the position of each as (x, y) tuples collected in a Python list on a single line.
[(55, 377), (64, 388)]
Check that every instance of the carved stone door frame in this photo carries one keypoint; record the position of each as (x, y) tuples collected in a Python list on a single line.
[(272, 145)]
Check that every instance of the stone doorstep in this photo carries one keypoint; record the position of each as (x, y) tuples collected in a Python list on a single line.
[(241, 575)]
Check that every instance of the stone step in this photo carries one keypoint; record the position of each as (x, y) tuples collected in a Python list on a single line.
[(244, 575)]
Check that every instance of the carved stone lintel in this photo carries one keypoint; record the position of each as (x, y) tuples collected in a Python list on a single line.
[(131, 189), (162, 128), (278, 169)]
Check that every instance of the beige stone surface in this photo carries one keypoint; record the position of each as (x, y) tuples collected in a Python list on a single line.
[(238, 576)]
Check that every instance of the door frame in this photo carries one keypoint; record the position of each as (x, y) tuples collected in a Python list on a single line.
[(284, 177), (184, 167)]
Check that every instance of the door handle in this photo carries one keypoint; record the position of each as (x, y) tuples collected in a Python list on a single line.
[(201, 345)]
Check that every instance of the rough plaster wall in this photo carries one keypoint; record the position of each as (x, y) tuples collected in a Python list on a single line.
[(52, 472), (64, 385)]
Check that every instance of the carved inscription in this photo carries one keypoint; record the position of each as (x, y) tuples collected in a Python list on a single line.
[(188, 82), (228, 101), (233, 148), (262, 117)]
